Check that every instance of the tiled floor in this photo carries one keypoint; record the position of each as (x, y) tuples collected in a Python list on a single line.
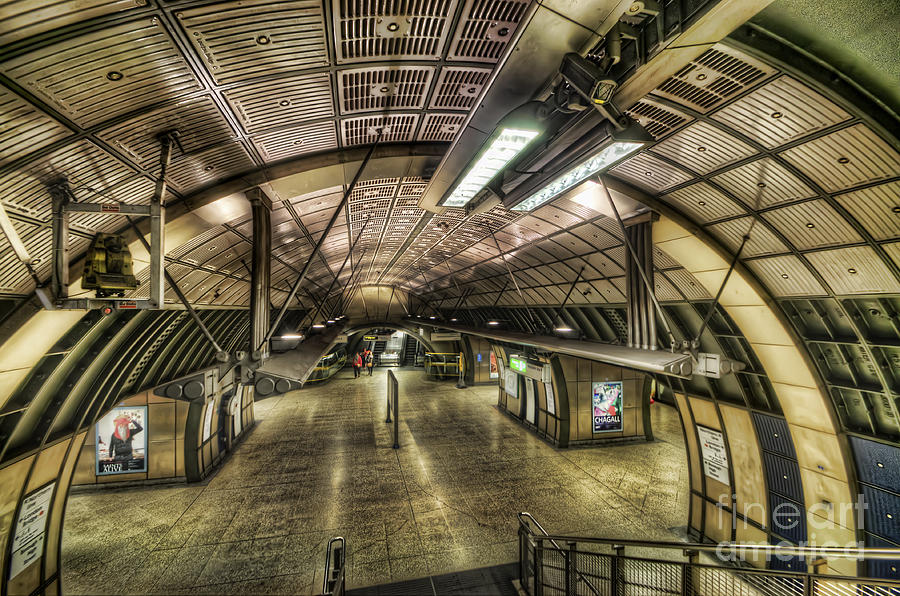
[(320, 464)]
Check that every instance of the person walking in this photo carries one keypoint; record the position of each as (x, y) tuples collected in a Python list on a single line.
[(370, 361), (357, 364)]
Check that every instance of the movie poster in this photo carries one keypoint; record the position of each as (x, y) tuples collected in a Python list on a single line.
[(122, 441), (607, 404), (495, 373)]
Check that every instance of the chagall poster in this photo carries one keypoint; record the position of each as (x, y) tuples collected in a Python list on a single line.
[(495, 373), (606, 401), (122, 442)]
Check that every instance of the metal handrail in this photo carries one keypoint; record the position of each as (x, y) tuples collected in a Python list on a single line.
[(338, 585), (525, 515)]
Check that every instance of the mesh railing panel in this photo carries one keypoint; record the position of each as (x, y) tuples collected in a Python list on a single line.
[(594, 571), (706, 580), (831, 587), (640, 577), (553, 571)]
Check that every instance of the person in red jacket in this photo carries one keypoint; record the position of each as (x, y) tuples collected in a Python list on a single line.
[(357, 365)]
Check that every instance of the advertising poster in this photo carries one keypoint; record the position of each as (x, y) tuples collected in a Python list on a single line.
[(715, 458), (122, 442), (606, 400), (234, 410), (551, 400), (512, 383), (207, 419), (28, 541), (494, 372)]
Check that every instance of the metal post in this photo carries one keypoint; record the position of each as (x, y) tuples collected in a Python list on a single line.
[(687, 581), (60, 195), (158, 222), (616, 587), (396, 391), (641, 317), (322, 238), (260, 272), (571, 581), (538, 567)]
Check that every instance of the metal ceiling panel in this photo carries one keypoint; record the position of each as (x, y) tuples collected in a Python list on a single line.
[(812, 224), (702, 148), (362, 130), (440, 127), (556, 216), (485, 29), (786, 276), (893, 251), (617, 254), (595, 236), (877, 208), (245, 39), (282, 102), (25, 128), (763, 183), (718, 74), (199, 122), (458, 88), (21, 20), (573, 243), (311, 138), (650, 173), (781, 111), (200, 239), (687, 284), (389, 29), (702, 203), (762, 240), (854, 270), (662, 260), (658, 119), (93, 175), (664, 290), (140, 66), (849, 157), (383, 88), (604, 265), (191, 172)]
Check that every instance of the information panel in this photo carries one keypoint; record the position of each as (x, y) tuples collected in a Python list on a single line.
[(551, 400), (715, 457), (28, 542), (606, 400), (207, 419), (121, 442), (512, 383)]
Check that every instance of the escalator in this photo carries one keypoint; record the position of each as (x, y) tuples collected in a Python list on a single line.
[(409, 351)]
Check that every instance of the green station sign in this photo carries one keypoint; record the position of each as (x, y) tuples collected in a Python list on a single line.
[(518, 364)]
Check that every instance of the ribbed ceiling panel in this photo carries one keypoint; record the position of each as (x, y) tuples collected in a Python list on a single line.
[(24, 126), (143, 67), (703, 148), (812, 224), (763, 183), (283, 102), (702, 203), (245, 39), (877, 208)]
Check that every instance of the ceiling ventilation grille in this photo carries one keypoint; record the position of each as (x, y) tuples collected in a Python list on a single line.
[(440, 127), (657, 119), (142, 67), (485, 29), (363, 131), (244, 39), (458, 88), (368, 194), (284, 102), (376, 29), (718, 74), (311, 138), (399, 87)]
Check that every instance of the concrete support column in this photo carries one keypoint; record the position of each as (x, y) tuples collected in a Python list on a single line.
[(641, 316), (260, 270)]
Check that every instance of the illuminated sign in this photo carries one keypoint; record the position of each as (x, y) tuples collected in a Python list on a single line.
[(370, 338), (518, 364)]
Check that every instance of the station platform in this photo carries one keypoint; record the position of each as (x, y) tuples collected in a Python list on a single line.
[(320, 464)]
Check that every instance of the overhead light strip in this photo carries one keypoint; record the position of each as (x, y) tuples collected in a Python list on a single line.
[(605, 158), (502, 150)]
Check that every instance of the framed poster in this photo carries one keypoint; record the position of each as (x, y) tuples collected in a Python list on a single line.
[(234, 410), (207, 419), (122, 442), (28, 541), (512, 383), (715, 457), (530, 402), (551, 400), (494, 371), (606, 401)]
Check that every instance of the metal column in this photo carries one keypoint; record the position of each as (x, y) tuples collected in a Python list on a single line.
[(60, 280), (167, 140), (641, 316), (260, 272)]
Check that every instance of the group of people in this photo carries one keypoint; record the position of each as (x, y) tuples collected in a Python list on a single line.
[(363, 359)]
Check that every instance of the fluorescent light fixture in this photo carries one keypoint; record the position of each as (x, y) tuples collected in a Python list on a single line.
[(505, 146), (600, 161), (331, 321), (453, 319), (432, 317), (318, 326), (290, 336), (563, 329), (493, 323)]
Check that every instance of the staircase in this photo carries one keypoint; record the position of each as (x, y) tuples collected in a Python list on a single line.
[(409, 351), (377, 351)]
